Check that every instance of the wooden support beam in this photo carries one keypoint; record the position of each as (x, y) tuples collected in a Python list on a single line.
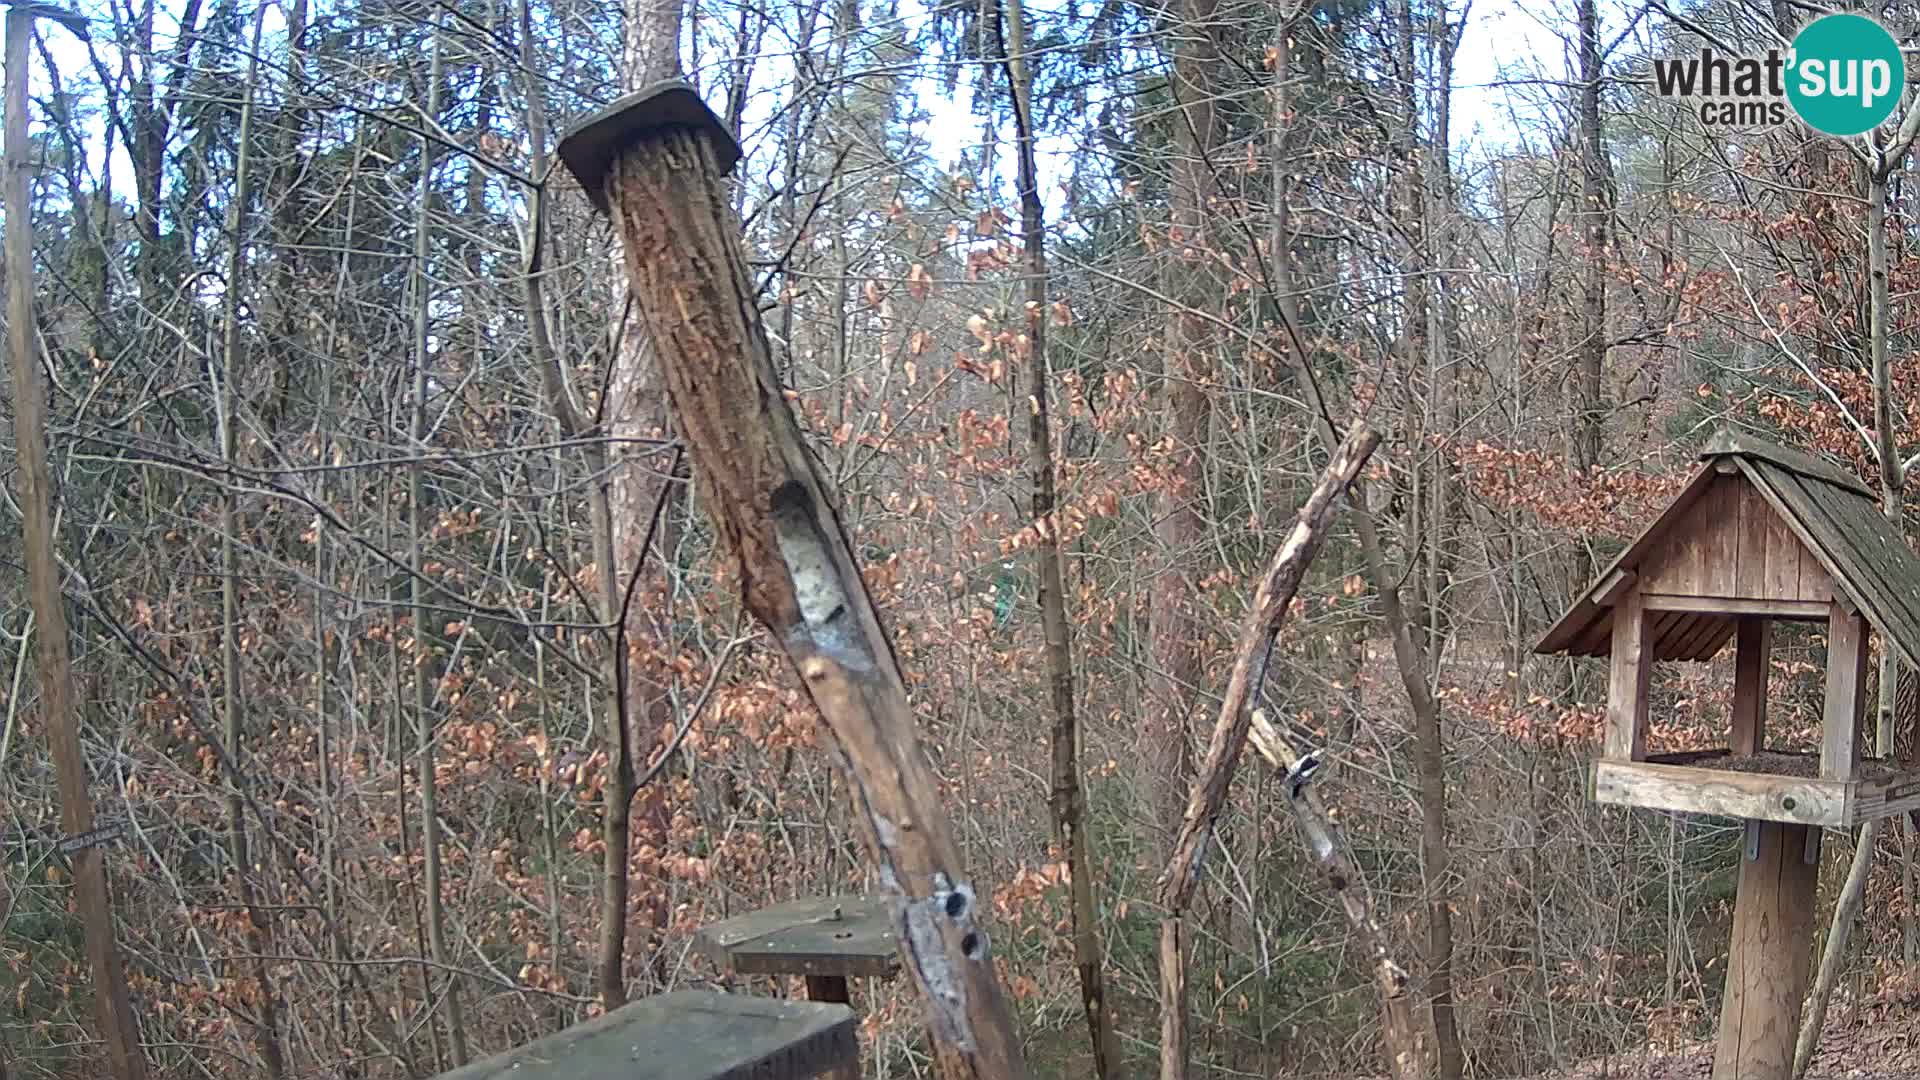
[(657, 159), (1631, 676), (1737, 605), (1846, 680), (1768, 961), (1753, 643), (1613, 587)]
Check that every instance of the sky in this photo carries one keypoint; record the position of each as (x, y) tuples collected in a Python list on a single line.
[(1504, 40)]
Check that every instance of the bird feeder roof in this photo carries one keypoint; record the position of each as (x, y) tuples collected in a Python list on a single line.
[(1833, 516)]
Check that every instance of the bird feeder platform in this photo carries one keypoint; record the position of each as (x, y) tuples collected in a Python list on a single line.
[(1760, 534), (687, 1035), (1768, 786), (827, 939)]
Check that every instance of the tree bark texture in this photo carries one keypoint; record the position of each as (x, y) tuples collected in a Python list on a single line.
[(114, 1009), (629, 479), (796, 570), (1179, 529)]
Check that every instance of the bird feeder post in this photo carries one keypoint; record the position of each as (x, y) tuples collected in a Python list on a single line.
[(1771, 952), (1760, 534), (656, 161)]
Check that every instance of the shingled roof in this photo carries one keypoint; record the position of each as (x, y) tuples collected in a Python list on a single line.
[(1832, 513)]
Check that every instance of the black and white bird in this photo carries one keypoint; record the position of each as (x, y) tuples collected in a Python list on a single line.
[(1302, 773)]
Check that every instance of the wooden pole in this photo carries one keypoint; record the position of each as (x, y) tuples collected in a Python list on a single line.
[(656, 160), (117, 1026), (1771, 952)]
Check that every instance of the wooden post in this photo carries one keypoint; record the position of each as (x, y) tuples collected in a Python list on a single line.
[(833, 989), (656, 160), (1753, 647), (1846, 677), (1768, 960), (117, 1026), (1630, 677)]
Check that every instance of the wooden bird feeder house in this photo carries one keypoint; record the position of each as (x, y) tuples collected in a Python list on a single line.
[(1759, 534)]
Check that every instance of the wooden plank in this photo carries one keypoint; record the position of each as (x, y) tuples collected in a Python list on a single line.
[(1781, 575), (1751, 665), (1719, 518), (1789, 501), (825, 936), (1678, 565), (1874, 568), (1768, 962), (1631, 672), (1720, 792), (1846, 678), (1699, 632), (1612, 587), (1722, 633), (686, 1035), (1753, 520), (1742, 444), (1737, 605), (1885, 798)]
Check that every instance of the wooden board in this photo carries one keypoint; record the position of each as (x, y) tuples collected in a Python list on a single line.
[(1630, 678), (1846, 679), (834, 935), (686, 1035), (1733, 545), (1751, 666), (1689, 783), (1693, 789)]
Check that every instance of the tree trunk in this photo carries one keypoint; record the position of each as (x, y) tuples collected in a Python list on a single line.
[(637, 708), (797, 570), (1174, 628), (1596, 208), (260, 934), (114, 1009), (1430, 768), (1069, 801), (417, 527)]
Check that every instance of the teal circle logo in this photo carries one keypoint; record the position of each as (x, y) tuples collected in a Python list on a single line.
[(1846, 74)]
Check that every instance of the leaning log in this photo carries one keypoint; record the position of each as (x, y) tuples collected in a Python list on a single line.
[(656, 161), (1262, 622)]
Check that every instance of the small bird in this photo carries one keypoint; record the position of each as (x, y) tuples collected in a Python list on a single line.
[(1302, 774)]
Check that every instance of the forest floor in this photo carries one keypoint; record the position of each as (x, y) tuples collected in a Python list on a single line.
[(1876, 1042)]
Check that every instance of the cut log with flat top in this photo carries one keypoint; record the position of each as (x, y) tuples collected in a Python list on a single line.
[(686, 1035)]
